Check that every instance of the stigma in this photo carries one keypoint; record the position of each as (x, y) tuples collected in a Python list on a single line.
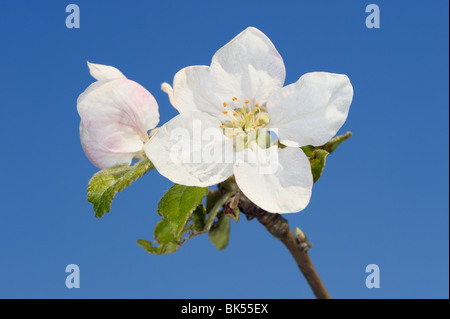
[(245, 119)]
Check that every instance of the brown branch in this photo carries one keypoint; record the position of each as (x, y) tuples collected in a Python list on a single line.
[(298, 247)]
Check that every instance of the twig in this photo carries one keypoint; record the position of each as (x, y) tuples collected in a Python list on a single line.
[(298, 247)]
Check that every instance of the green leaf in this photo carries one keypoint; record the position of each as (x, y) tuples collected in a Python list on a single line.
[(219, 234), (182, 210), (332, 145), (317, 155), (167, 237), (178, 204), (105, 184), (308, 150), (212, 198), (162, 249), (163, 232), (198, 218), (165, 241), (317, 160)]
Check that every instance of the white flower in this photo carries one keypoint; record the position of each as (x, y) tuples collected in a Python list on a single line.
[(116, 115), (242, 93)]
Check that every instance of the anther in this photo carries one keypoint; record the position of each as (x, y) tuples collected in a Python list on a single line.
[(225, 104), (234, 98)]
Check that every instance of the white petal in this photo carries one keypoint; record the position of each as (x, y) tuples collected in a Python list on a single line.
[(248, 67), (117, 114), (193, 90), (101, 156), (104, 72), (312, 110), (181, 150), (286, 190), (167, 88)]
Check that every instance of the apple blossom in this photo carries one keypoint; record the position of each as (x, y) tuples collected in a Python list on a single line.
[(241, 94), (116, 116)]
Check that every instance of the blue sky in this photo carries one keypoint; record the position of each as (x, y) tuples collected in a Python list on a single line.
[(383, 198)]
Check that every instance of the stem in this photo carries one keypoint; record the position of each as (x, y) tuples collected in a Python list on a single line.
[(215, 210), (298, 247), (212, 214)]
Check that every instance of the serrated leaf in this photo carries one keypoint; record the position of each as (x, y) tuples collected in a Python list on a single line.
[(219, 234), (199, 222), (178, 204), (181, 210), (318, 160), (198, 218), (163, 232), (165, 242), (105, 184), (162, 249)]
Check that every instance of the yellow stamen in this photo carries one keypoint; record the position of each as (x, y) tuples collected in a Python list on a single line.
[(257, 105), (222, 126), (234, 98), (225, 112), (234, 114), (247, 101), (257, 122), (234, 123), (264, 125), (225, 104)]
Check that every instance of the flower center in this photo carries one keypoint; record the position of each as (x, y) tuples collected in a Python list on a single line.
[(246, 123)]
